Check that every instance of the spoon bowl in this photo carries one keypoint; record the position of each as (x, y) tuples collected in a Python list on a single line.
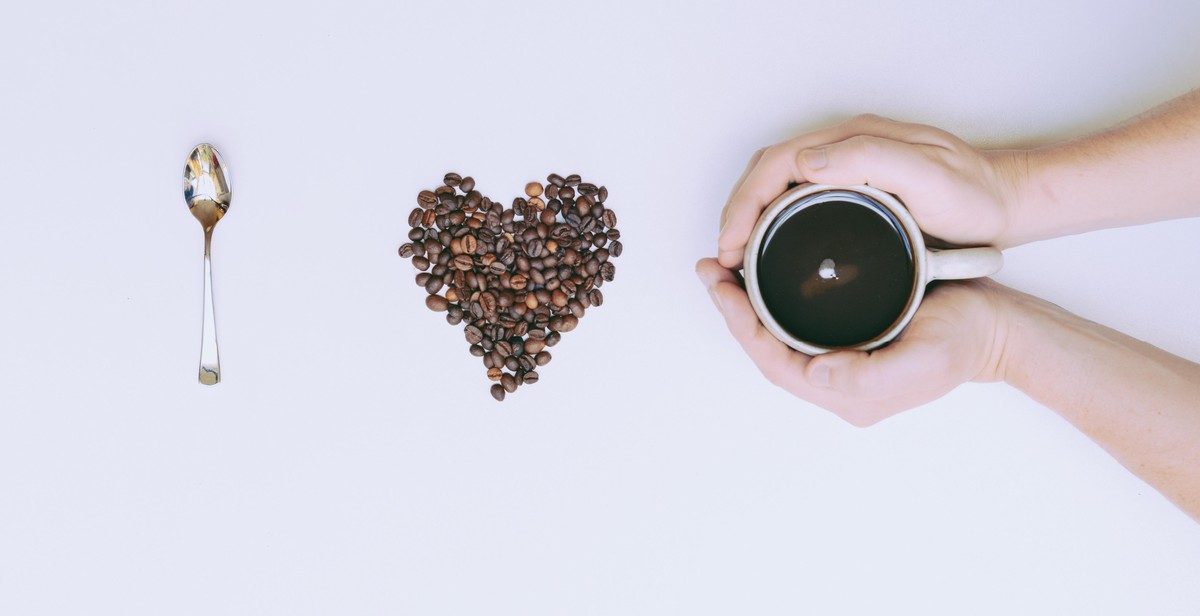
[(206, 191)]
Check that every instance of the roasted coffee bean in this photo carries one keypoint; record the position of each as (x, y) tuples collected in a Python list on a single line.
[(552, 194), (556, 180), (406, 250), (533, 189), (433, 285), (477, 350), (427, 199), (609, 218), (552, 338), (616, 248), (542, 358), (473, 334), (498, 392), (494, 373), (602, 195), (509, 384), (469, 244), (415, 217), (488, 302), (437, 303), (463, 263), (608, 271), (566, 192), (452, 179), (531, 377), (420, 263), (467, 184), (595, 297), (573, 179)]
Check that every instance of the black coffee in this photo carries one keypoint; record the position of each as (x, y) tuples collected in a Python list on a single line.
[(836, 273)]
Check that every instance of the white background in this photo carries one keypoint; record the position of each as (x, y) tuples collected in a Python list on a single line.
[(352, 460)]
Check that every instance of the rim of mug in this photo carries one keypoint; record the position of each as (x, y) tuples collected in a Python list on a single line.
[(821, 193)]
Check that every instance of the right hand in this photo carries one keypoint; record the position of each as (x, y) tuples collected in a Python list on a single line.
[(957, 193)]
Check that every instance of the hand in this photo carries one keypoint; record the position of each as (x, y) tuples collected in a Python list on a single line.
[(957, 335), (956, 193)]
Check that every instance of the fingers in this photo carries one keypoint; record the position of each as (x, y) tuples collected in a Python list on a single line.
[(894, 166), (773, 169), (778, 362), (741, 180)]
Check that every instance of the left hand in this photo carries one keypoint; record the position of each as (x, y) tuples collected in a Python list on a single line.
[(957, 335)]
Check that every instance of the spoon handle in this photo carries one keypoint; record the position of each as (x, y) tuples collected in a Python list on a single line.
[(210, 362)]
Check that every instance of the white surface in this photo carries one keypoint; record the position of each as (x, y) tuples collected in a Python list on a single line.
[(352, 460)]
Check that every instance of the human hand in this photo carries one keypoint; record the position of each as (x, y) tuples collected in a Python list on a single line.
[(957, 335), (956, 193)]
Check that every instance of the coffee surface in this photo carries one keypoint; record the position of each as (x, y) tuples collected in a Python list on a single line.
[(836, 273)]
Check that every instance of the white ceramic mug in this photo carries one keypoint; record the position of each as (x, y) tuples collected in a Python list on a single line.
[(927, 264)]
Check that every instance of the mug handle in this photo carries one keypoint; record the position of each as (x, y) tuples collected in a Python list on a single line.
[(962, 263)]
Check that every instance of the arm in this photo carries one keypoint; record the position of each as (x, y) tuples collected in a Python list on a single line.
[(1139, 172), (1138, 402)]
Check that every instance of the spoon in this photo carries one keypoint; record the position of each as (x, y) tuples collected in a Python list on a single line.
[(206, 190)]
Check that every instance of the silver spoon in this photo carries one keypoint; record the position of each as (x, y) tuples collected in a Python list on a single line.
[(206, 190)]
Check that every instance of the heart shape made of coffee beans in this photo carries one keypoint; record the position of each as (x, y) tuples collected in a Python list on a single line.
[(515, 278)]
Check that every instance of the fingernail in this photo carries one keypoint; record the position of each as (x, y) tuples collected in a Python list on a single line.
[(815, 159), (819, 375)]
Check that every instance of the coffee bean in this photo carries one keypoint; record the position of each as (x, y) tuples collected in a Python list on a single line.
[(463, 262), (616, 248), (533, 189), (552, 338), (427, 199), (433, 285), (494, 373), (474, 334), (566, 192), (542, 358), (452, 179), (467, 184), (595, 297), (556, 180), (509, 384), (488, 302), (608, 271), (469, 244), (406, 250), (609, 218), (531, 377), (436, 303), (498, 392), (477, 350), (573, 179), (420, 263)]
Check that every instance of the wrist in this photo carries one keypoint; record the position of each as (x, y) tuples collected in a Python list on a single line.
[(1021, 190)]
